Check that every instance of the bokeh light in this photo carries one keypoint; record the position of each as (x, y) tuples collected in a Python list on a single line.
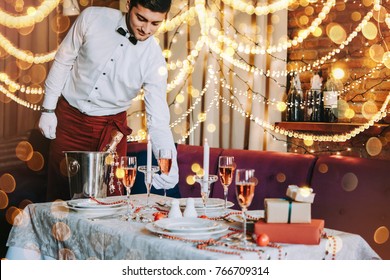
[(11, 214), (336, 33), (3, 200), (211, 127), (195, 167), (24, 203), (24, 151), (376, 52), (356, 16), (323, 168), (281, 177), (386, 59), (7, 183), (38, 74), (369, 109), (66, 254), (370, 31), (349, 182), (36, 162), (374, 146), (61, 231), (190, 180), (381, 235), (59, 23), (59, 210)]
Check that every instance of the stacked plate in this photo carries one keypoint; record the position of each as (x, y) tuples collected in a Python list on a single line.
[(214, 206), (189, 228), (106, 205)]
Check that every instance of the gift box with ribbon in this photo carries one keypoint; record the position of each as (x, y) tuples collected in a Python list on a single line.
[(303, 194), (279, 210), (303, 233)]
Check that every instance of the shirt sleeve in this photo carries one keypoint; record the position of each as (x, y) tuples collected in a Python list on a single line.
[(157, 110), (64, 61)]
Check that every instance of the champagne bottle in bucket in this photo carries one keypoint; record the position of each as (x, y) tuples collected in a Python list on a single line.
[(112, 160)]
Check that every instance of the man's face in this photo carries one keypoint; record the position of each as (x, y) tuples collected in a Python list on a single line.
[(143, 22)]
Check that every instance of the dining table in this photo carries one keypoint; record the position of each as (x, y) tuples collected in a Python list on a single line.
[(63, 230)]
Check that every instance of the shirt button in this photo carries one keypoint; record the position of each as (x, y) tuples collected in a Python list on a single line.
[(121, 45), (89, 100), (112, 59), (104, 73), (96, 87)]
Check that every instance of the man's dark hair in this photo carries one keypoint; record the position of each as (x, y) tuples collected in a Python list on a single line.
[(161, 6)]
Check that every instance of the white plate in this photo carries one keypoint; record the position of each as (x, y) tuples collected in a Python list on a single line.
[(98, 211), (89, 203), (203, 235), (187, 224)]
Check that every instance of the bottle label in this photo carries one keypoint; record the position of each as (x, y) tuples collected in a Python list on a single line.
[(330, 99)]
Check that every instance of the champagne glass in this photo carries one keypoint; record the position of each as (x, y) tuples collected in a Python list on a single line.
[(245, 190), (205, 184), (165, 162), (128, 165), (148, 184), (226, 168)]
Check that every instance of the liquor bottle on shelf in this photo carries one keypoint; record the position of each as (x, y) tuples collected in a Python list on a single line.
[(295, 101), (331, 92), (315, 100)]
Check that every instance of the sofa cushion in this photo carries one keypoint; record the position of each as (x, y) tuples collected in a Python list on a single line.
[(353, 195), (274, 171)]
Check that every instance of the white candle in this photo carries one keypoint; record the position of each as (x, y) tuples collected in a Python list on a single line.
[(206, 158), (149, 162)]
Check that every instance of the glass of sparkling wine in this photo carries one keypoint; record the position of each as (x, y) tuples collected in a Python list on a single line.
[(165, 162), (128, 165), (245, 190), (226, 167)]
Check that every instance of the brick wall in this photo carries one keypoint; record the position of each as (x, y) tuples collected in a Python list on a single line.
[(355, 59)]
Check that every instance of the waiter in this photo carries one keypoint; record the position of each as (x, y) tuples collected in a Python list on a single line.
[(106, 58)]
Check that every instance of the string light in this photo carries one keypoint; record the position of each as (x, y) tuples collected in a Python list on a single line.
[(19, 100), (382, 113), (259, 10), (22, 88), (303, 34), (38, 15), (24, 55)]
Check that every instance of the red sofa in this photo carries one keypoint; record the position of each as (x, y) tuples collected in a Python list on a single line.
[(352, 194)]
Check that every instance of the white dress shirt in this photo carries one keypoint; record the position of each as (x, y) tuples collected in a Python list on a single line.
[(98, 71)]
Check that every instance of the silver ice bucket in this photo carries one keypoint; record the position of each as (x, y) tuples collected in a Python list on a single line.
[(88, 174)]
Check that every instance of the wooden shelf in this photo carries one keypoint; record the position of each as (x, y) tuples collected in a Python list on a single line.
[(330, 128)]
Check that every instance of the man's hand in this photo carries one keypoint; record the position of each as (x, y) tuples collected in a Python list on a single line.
[(48, 125), (162, 181)]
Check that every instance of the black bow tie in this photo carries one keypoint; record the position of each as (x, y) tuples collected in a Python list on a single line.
[(128, 35)]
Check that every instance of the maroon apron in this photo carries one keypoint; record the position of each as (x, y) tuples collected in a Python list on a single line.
[(79, 132)]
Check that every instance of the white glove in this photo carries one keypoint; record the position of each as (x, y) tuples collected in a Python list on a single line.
[(162, 181), (48, 124)]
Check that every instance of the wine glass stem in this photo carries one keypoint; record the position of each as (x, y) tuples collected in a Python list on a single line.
[(128, 201), (244, 226), (148, 194), (225, 193), (165, 192)]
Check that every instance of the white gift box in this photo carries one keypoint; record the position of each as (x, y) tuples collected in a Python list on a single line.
[(303, 194)]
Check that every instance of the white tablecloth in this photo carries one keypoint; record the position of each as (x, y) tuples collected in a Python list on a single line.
[(52, 231)]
